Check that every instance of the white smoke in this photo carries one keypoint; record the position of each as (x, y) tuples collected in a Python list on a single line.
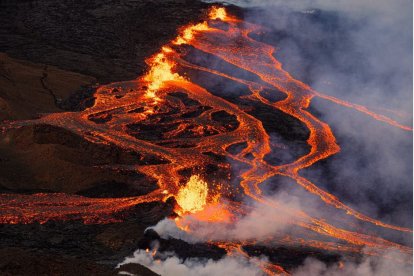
[(171, 265), (390, 264), (168, 264)]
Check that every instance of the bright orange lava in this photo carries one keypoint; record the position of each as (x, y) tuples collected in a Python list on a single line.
[(188, 138)]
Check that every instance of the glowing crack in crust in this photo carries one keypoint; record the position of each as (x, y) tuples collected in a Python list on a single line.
[(188, 137)]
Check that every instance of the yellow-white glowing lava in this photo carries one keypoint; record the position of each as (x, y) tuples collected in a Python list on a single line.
[(193, 196), (218, 13)]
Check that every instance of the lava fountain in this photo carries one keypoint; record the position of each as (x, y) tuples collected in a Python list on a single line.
[(193, 196)]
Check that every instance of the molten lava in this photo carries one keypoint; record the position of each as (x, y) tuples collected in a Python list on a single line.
[(215, 212), (194, 129)]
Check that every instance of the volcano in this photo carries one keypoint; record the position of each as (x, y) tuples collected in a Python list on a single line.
[(181, 163)]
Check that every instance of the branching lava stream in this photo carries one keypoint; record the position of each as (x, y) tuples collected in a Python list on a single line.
[(191, 134)]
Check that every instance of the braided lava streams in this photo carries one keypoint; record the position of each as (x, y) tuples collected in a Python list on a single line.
[(192, 127)]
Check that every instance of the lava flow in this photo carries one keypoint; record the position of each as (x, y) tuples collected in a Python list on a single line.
[(193, 128)]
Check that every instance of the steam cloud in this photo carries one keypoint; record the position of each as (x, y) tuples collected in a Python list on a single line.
[(171, 265), (368, 267)]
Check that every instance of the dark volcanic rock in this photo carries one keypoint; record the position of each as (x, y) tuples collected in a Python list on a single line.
[(88, 153), (29, 89), (113, 189), (79, 100), (14, 261), (183, 249), (68, 163), (107, 39), (290, 257), (136, 269), (103, 243)]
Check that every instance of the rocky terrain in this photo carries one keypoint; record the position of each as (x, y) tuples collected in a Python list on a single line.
[(107, 39)]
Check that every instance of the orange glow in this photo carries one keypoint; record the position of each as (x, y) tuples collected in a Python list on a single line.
[(215, 212), (189, 32)]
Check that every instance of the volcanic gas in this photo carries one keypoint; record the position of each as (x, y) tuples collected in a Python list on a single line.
[(188, 131)]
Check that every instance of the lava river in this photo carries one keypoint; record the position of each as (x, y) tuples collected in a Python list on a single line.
[(194, 128)]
